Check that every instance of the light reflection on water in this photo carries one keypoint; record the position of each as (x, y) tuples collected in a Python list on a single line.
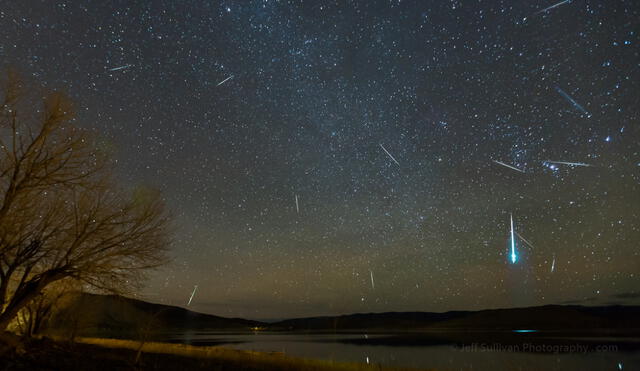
[(472, 356)]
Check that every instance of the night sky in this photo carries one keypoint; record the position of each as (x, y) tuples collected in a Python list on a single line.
[(335, 157)]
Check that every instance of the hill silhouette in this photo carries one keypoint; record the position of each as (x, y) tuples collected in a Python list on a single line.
[(105, 315), (97, 315), (549, 317), (388, 320)]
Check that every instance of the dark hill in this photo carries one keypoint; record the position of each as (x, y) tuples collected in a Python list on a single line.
[(389, 320), (112, 315), (550, 317), (91, 314)]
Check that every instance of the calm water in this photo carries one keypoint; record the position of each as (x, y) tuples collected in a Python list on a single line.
[(518, 353)]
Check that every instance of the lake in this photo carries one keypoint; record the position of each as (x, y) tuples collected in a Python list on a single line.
[(525, 350)]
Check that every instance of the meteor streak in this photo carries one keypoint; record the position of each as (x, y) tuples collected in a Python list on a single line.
[(225, 80), (297, 207), (513, 243), (373, 285), (568, 163), (525, 240), (573, 102), (553, 264), (553, 6), (508, 166), (192, 294), (394, 160), (120, 68)]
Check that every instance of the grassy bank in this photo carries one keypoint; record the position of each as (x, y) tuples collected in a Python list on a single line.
[(98, 354)]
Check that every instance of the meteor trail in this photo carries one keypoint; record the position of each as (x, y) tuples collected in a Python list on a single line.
[(192, 294), (553, 264), (297, 207), (509, 166), (513, 243), (373, 285), (394, 160), (573, 102), (553, 6), (568, 163), (225, 80), (120, 68), (525, 240)]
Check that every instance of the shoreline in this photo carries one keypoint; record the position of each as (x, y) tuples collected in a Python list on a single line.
[(99, 354)]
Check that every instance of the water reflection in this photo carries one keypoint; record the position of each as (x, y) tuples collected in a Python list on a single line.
[(442, 351)]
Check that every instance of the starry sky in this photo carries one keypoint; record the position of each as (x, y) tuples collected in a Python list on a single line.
[(328, 157)]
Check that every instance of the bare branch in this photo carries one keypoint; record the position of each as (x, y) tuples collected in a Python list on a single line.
[(61, 215)]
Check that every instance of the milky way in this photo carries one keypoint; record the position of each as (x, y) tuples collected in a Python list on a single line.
[(264, 122)]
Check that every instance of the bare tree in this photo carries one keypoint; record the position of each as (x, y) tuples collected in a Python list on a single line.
[(61, 216)]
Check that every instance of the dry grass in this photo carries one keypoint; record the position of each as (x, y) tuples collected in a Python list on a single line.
[(248, 359)]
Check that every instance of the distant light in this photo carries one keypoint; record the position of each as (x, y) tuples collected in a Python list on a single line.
[(524, 331), (607, 139)]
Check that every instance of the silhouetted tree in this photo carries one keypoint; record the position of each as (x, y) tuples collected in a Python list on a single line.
[(61, 216)]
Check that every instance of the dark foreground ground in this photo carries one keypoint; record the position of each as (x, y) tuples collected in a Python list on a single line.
[(47, 354)]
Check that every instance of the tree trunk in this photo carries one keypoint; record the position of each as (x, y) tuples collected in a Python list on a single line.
[(24, 295), (4, 284)]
